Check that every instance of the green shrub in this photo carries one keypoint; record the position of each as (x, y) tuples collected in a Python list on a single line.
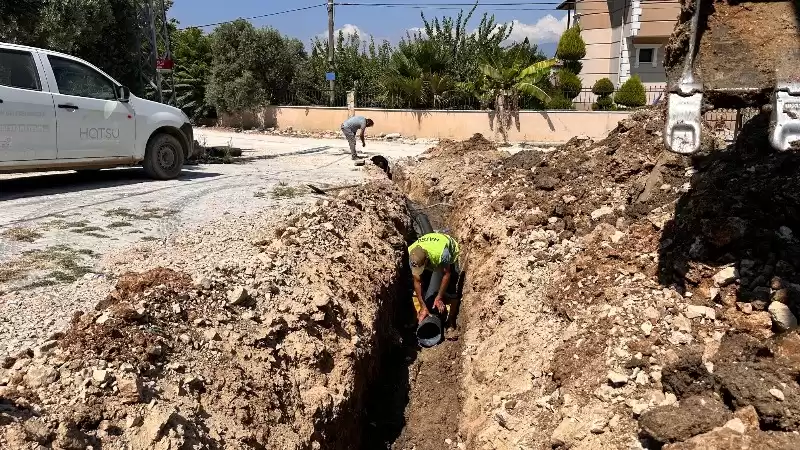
[(604, 103), (558, 101), (571, 46), (603, 87), (569, 84), (631, 94), (573, 66)]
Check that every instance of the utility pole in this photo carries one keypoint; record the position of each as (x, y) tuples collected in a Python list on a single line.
[(331, 71), (155, 55), (165, 63)]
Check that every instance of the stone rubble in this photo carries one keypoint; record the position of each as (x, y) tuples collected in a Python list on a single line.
[(666, 289), (251, 342)]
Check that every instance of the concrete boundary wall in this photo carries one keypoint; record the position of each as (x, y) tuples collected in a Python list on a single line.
[(533, 126)]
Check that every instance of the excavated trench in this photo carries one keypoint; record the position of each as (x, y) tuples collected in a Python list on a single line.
[(566, 333), (443, 397), (414, 400)]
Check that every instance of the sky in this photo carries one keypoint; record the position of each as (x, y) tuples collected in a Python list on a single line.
[(538, 20)]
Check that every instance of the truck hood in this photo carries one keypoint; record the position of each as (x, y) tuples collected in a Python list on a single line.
[(148, 107)]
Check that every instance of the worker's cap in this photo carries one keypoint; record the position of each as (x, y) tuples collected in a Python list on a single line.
[(418, 257)]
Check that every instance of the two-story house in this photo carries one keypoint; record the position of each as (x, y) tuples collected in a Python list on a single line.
[(623, 38)]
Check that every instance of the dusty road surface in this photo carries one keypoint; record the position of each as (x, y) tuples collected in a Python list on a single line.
[(55, 228)]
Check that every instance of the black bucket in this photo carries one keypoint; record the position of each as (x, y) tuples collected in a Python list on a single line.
[(383, 163)]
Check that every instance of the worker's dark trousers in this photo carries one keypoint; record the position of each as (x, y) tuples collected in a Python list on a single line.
[(351, 139)]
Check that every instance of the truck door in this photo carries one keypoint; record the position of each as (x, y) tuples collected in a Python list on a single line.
[(92, 123), (27, 115)]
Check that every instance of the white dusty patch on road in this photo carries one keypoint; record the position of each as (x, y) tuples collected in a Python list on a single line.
[(56, 228)]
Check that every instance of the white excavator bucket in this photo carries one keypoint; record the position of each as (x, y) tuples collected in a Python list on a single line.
[(682, 134), (734, 54), (685, 101), (785, 119)]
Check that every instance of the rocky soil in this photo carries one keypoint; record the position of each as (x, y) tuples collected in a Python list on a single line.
[(616, 296), (269, 340), (620, 296)]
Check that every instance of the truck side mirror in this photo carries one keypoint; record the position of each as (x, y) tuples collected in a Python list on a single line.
[(123, 94)]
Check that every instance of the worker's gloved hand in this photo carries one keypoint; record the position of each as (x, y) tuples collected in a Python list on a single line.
[(439, 304), (421, 315)]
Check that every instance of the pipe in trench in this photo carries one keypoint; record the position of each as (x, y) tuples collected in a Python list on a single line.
[(424, 223)]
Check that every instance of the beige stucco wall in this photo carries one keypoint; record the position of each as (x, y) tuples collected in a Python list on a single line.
[(658, 18), (655, 29), (534, 126), (601, 29), (652, 77), (599, 61), (660, 10)]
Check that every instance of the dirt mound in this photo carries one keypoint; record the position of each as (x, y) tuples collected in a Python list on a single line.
[(277, 355), (133, 284), (448, 147), (611, 279)]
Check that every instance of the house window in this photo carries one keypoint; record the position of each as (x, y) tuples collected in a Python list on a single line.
[(646, 55)]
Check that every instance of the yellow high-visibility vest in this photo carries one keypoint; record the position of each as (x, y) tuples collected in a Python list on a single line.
[(435, 245)]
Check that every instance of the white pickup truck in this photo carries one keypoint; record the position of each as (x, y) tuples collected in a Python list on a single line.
[(58, 112)]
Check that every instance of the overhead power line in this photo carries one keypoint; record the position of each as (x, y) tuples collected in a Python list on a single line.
[(485, 5), (256, 17), (511, 6), (418, 4), (501, 6)]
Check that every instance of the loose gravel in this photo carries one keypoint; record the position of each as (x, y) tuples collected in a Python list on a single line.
[(62, 232)]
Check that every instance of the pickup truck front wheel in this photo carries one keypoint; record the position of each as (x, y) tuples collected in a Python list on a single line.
[(163, 158)]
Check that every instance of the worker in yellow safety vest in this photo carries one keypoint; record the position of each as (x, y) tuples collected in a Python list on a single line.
[(432, 251)]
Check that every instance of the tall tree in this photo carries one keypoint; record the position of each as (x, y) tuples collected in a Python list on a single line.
[(233, 85), (466, 49), (358, 64), (19, 20), (103, 32), (251, 67)]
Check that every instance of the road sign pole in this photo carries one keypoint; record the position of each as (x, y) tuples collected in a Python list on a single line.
[(331, 52)]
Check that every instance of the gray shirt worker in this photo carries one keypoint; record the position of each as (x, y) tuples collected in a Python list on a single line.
[(352, 126), (355, 124)]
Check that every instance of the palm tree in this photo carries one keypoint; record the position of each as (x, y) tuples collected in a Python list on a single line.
[(190, 89), (439, 88), (417, 76)]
